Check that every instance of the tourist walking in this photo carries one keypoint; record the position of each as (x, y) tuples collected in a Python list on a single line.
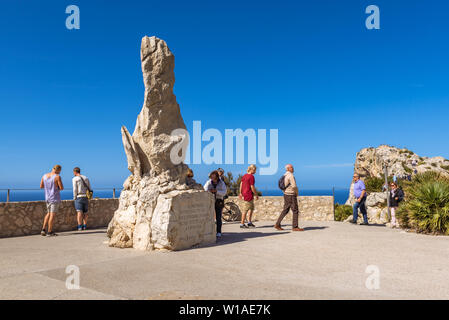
[(248, 193), (360, 199), (396, 196), (287, 184), (217, 186), (81, 195), (52, 185)]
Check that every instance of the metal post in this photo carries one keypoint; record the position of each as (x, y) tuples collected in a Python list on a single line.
[(113, 193), (387, 189), (7, 196), (333, 201)]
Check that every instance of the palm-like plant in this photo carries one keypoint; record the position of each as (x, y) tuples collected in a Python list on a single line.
[(427, 206)]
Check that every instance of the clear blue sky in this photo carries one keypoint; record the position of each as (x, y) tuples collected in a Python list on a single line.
[(308, 68)]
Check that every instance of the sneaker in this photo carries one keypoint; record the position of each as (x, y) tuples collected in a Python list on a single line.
[(79, 228), (51, 234), (364, 224), (243, 226), (84, 227), (43, 233), (352, 221), (250, 224), (218, 235)]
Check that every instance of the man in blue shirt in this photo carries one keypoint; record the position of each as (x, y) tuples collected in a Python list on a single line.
[(360, 198)]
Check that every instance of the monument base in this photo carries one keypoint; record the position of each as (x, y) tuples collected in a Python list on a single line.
[(180, 220)]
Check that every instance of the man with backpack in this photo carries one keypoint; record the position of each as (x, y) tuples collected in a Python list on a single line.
[(287, 184), (81, 194)]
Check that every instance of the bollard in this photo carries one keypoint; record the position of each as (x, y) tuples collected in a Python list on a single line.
[(7, 196), (113, 193)]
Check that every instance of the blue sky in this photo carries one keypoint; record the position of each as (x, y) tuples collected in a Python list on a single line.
[(310, 69)]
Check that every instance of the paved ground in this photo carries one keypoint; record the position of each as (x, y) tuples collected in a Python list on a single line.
[(327, 261)]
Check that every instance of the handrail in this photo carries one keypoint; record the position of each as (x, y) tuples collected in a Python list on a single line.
[(8, 191)]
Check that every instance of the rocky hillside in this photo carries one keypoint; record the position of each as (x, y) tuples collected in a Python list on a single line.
[(369, 162)]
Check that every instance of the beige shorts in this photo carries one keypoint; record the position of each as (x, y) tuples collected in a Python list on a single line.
[(53, 207), (247, 205)]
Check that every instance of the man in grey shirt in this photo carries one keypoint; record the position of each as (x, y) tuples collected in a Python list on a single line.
[(81, 186)]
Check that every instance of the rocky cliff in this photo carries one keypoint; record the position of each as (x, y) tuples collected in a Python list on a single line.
[(401, 162)]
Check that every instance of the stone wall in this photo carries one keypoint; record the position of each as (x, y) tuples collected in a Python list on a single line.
[(319, 208), (26, 218)]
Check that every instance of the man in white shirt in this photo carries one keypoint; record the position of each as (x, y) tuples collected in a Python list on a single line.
[(81, 185)]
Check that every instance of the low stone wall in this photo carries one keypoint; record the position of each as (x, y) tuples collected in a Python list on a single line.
[(319, 208), (26, 218)]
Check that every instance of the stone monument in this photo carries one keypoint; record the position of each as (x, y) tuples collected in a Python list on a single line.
[(157, 209)]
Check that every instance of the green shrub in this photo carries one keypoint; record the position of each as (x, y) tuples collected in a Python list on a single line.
[(426, 208), (433, 164), (342, 212), (406, 151), (406, 169), (374, 184), (444, 167)]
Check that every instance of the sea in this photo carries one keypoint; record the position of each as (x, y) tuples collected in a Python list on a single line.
[(341, 195)]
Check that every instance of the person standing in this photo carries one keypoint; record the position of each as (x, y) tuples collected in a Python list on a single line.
[(248, 192), (218, 188), (396, 196), (81, 186), (360, 199), (52, 184), (290, 199), (221, 173)]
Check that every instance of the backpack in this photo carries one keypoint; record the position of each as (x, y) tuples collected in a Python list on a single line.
[(281, 183), (89, 193)]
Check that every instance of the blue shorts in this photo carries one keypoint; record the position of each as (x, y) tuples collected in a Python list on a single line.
[(82, 204)]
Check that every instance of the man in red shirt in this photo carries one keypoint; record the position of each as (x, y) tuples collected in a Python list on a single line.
[(248, 192)]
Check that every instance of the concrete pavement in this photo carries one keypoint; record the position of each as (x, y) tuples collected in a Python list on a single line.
[(327, 261)]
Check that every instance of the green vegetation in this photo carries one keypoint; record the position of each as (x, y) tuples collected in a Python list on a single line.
[(374, 184), (420, 163), (342, 212), (433, 164), (426, 208), (407, 169), (445, 167), (406, 151)]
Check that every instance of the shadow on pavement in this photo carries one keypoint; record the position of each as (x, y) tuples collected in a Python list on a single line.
[(233, 237), (80, 233), (314, 228)]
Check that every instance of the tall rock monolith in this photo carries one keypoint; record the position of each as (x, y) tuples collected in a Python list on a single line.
[(157, 209)]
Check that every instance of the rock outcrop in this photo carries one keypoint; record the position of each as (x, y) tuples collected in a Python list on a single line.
[(401, 162), (157, 209)]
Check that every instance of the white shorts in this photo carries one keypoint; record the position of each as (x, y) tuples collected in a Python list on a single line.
[(53, 207)]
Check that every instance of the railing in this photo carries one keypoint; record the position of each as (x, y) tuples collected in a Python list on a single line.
[(8, 191)]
